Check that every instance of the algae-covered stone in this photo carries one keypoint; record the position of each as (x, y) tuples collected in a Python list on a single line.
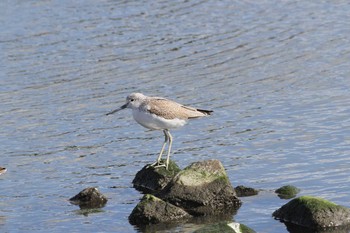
[(151, 210), (225, 227), (202, 188), (287, 191), (89, 198), (313, 213), (243, 191), (150, 179)]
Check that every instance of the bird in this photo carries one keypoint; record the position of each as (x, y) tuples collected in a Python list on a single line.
[(2, 170), (158, 113)]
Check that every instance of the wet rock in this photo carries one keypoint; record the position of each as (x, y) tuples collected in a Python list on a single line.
[(89, 198), (151, 180), (287, 191), (225, 227), (243, 191), (292, 228), (203, 188), (2, 170), (314, 213), (154, 210)]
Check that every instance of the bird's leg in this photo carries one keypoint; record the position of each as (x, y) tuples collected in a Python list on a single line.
[(166, 139), (157, 163), (170, 138)]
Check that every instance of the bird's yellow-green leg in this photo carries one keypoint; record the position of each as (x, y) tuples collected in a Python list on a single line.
[(157, 163), (170, 138)]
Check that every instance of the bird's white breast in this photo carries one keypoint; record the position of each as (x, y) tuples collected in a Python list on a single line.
[(152, 121)]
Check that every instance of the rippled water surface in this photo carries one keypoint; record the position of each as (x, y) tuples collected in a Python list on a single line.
[(276, 73)]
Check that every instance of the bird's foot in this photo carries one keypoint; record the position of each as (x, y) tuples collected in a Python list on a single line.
[(161, 165), (157, 164)]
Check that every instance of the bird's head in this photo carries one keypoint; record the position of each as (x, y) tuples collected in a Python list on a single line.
[(133, 101)]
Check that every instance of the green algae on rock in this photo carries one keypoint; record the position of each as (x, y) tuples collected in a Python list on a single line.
[(200, 173), (313, 212), (287, 191), (153, 179), (203, 188), (154, 210)]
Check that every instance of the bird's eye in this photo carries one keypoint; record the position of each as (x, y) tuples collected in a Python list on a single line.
[(132, 100)]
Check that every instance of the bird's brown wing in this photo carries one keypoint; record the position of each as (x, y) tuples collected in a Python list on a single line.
[(169, 109)]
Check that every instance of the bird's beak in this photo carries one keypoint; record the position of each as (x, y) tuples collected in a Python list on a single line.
[(118, 109)]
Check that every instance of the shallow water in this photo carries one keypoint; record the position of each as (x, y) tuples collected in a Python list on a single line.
[(276, 73)]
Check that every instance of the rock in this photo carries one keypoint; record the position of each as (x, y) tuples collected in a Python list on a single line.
[(243, 191), (89, 198), (151, 180), (292, 228), (314, 213), (225, 227), (287, 191), (202, 188), (154, 210)]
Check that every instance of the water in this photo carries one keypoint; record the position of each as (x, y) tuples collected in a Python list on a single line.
[(276, 73)]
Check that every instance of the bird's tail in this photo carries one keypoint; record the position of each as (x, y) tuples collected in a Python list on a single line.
[(205, 112)]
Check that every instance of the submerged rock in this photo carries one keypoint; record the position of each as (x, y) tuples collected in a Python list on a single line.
[(225, 227), (314, 213), (89, 198), (154, 210), (287, 191), (203, 188), (150, 179), (243, 191)]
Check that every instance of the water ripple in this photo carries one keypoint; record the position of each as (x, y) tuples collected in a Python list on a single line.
[(275, 73)]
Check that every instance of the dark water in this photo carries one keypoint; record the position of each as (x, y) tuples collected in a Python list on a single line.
[(276, 73)]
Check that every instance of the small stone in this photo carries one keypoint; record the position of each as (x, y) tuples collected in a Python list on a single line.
[(150, 179), (287, 191), (203, 188), (152, 210), (243, 191), (89, 198), (313, 213)]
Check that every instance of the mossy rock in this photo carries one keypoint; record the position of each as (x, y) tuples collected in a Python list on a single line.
[(200, 173), (202, 188), (287, 191), (243, 191), (225, 227), (314, 213), (153, 179), (152, 210)]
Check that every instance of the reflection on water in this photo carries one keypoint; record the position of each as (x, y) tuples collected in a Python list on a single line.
[(275, 73)]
